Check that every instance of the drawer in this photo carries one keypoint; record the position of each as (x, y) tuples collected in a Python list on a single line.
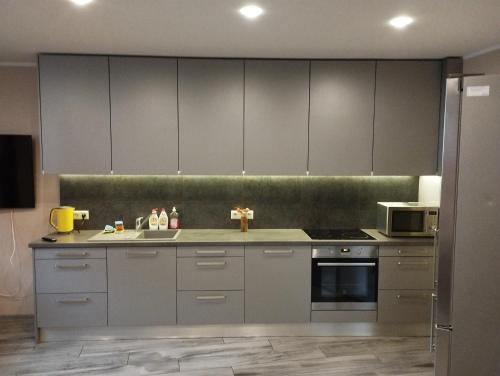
[(209, 307), (211, 251), (71, 310), (406, 273), (60, 276), (404, 306), (69, 253), (210, 273), (406, 250)]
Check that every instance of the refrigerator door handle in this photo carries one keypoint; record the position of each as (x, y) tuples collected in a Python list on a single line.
[(432, 339)]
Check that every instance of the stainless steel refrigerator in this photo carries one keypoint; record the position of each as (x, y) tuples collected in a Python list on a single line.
[(466, 324)]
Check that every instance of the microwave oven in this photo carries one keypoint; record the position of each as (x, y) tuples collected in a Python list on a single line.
[(406, 219)]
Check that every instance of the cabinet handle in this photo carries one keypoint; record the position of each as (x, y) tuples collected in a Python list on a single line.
[(81, 266), (278, 251), (211, 263), (410, 251), (414, 263), (142, 253), (346, 264), (72, 254), (210, 253), (74, 301), (211, 297), (432, 343), (411, 296)]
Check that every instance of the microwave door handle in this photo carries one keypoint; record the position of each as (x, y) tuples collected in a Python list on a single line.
[(358, 264)]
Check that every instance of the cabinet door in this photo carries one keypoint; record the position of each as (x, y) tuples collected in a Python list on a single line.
[(406, 128), (74, 100), (144, 115), (141, 286), (277, 284), (211, 116), (276, 117), (341, 120)]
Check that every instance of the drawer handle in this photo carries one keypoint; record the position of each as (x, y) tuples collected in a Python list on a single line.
[(211, 263), (412, 296), (81, 266), (208, 253), (413, 263), (142, 253), (73, 301), (278, 251), (346, 264), (410, 251), (211, 297), (72, 254)]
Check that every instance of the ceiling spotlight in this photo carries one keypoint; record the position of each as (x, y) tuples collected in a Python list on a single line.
[(251, 11), (81, 3), (401, 22)]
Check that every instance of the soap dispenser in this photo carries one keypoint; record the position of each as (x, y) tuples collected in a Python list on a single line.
[(163, 220), (153, 220)]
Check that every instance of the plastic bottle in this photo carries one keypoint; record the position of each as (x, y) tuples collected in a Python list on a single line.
[(153, 220), (174, 219), (163, 220)]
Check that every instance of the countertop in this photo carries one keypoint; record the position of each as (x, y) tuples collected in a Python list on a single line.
[(223, 237)]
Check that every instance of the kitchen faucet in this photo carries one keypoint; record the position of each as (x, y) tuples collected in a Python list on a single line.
[(140, 221)]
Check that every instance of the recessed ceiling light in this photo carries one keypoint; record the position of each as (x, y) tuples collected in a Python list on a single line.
[(81, 3), (251, 11), (401, 22)]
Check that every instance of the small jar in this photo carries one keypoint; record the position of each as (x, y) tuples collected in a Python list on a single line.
[(119, 227)]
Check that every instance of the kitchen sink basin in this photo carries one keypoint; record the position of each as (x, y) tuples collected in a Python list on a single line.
[(158, 235), (131, 236)]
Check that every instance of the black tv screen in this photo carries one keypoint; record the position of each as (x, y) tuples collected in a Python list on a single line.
[(17, 186)]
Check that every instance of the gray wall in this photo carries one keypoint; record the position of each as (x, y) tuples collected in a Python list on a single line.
[(488, 63), (204, 202)]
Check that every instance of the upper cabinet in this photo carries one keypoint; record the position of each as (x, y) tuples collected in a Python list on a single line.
[(341, 117), (75, 114), (276, 117), (144, 125), (407, 105), (211, 116)]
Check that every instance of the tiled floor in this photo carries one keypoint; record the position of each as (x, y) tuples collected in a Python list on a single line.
[(277, 356)]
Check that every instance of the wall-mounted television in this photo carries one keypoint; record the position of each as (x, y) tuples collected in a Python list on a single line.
[(17, 186)]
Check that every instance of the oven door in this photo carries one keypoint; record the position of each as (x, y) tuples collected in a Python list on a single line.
[(344, 283)]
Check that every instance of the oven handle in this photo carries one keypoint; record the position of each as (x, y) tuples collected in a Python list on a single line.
[(346, 264)]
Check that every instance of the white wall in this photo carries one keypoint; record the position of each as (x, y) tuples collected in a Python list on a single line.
[(429, 190), (19, 115)]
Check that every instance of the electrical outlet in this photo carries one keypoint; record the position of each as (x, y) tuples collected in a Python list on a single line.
[(81, 215), (236, 215)]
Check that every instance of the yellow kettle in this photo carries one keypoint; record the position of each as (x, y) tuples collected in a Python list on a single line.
[(61, 218)]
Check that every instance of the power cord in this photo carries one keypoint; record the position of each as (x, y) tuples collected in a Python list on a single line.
[(14, 296)]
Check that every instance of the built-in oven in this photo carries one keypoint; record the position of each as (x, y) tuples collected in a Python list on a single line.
[(344, 278)]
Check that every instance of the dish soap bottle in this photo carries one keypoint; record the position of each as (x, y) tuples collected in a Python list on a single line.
[(153, 220), (174, 219), (163, 220)]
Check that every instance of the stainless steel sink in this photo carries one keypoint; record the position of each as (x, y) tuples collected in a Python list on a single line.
[(158, 235), (131, 235)]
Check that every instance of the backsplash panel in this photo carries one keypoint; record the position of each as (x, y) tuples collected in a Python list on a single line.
[(205, 201)]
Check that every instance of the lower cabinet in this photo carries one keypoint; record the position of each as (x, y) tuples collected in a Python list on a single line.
[(404, 306), (141, 286), (277, 284), (210, 307)]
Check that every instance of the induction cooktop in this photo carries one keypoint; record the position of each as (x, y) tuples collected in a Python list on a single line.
[(338, 234)]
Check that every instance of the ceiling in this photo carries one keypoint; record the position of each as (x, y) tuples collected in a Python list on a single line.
[(288, 28)]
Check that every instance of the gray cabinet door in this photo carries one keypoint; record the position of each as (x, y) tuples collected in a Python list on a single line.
[(74, 100), (211, 116), (277, 284), (144, 115), (276, 117), (141, 286), (406, 128), (341, 118)]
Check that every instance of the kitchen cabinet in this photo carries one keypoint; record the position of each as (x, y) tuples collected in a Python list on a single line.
[(210, 307), (407, 112), (141, 286), (277, 284), (211, 116), (341, 117), (75, 114), (276, 117), (144, 125)]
